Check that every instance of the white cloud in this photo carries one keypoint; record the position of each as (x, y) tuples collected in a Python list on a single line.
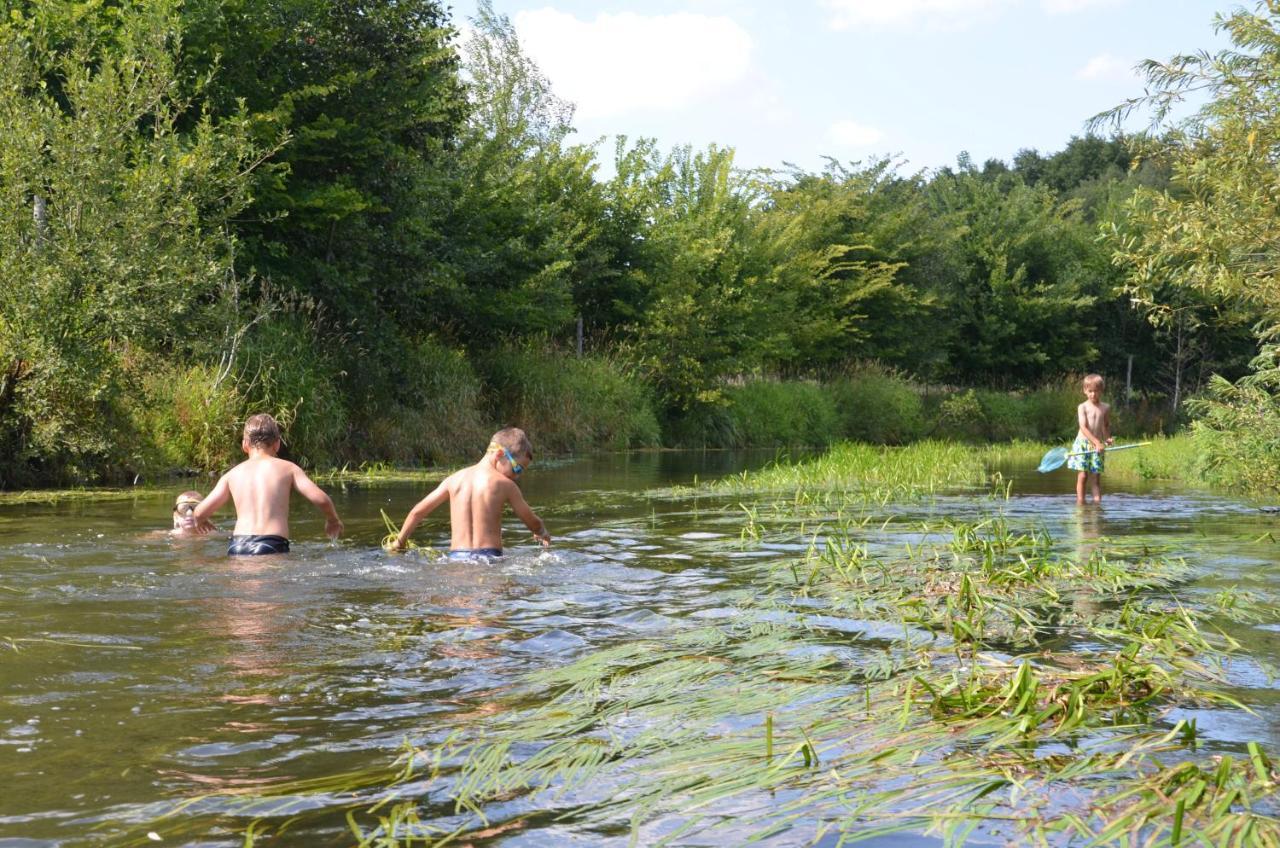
[(1107, 68), (1067, 7), (849, 135), (624, 63), (846, 14)]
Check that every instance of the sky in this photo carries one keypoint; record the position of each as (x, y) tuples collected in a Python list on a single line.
[(792, 81)]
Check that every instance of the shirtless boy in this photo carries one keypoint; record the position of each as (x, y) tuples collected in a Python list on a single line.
[(260, 487), (1094, 419), (477, 496)]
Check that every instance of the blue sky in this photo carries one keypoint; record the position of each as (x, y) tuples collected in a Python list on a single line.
[(798, 79)]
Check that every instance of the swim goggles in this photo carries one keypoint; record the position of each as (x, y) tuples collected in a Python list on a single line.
[(516, 468), (184, 506)]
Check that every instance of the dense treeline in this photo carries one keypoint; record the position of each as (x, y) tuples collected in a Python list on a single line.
[(335, 211)]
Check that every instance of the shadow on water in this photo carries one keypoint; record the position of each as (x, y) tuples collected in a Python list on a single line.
[(141, 670)]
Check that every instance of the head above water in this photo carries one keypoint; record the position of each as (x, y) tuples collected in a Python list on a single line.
[(261, 431), (513, 447), (183, 508)]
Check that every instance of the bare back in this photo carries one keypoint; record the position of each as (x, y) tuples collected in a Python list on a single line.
[(260, 487), (477, 496)]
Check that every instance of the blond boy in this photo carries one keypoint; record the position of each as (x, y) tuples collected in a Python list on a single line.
[(184, 521), (477, 496), (260, 488), (1088, 458)]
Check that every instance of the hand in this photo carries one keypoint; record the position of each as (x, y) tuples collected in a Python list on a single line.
[(545, 539), (333, 527), (1111, 441), (395, 545), (204, 527)]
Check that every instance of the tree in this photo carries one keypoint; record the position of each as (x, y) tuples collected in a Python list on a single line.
[(128, 249), (1206, 247)]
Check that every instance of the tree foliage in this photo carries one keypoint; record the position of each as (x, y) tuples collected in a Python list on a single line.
[(113, 229)]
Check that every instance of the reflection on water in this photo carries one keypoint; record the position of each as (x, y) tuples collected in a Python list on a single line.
[(153, 669)]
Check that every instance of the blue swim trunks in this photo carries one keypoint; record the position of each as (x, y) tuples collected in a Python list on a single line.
[(474, 553), (1091, 462), (257, 545)]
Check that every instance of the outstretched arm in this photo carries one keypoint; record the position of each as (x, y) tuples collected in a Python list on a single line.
[(528, 516), (420, 511), (212, 502), (309, 490)]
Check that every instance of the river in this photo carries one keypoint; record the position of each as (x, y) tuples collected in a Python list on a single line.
[(137, 671)]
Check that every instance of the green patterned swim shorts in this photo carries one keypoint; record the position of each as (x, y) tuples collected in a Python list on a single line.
[(1092, 462)]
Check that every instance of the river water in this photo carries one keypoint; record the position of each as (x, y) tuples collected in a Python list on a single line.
[(138, 671)]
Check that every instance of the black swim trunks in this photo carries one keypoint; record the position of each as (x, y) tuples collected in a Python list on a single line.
[(257, 545), (475, 553)]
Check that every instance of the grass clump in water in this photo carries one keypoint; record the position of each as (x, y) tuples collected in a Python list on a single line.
[(870, 471)]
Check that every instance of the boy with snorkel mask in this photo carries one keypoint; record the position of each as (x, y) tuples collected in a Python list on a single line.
[(477, 496)]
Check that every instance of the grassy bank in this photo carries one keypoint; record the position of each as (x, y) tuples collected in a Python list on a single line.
[(441, 405)]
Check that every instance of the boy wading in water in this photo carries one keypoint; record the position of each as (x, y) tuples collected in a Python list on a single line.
[(1094, 418), (477, 496), (260, 487)]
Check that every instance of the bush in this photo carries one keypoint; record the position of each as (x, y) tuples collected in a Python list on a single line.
[(761, 413), (188, 418), (878, 406), (567, 403), (1237, 434), (438, 413), (1005, 416), (1051, 410), (766, 413), (960, 416), (284, 371)]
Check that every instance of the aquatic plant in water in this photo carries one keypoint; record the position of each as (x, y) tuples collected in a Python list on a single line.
[(960, 679)]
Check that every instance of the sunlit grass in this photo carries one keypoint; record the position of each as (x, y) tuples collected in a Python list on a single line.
[(1166, 458)]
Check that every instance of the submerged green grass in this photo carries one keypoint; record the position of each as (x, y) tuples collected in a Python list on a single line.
[(962, 679)]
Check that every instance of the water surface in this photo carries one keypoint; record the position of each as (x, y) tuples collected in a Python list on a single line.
[(138, 671)]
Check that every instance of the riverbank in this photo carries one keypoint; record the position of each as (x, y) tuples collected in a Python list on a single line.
[(187, 421)]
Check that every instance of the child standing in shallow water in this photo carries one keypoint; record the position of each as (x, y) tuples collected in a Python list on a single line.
[(260, 487), (1094, 420), (477, 497)]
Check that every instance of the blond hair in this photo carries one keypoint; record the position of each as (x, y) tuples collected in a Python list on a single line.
[(262, 430), (1093, 380), (515, 440), (188, 497)]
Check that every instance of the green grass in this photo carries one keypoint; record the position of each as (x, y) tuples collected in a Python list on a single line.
[(1166, 458), (872, 471)]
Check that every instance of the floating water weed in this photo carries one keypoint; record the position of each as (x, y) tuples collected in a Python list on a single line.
[(961, 679)]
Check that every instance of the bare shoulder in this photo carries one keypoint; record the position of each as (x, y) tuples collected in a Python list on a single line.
[(1106, 407), (290, 467)]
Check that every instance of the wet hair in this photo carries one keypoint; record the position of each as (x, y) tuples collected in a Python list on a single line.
[(261, 430), (515, 440), (1093, 380)]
